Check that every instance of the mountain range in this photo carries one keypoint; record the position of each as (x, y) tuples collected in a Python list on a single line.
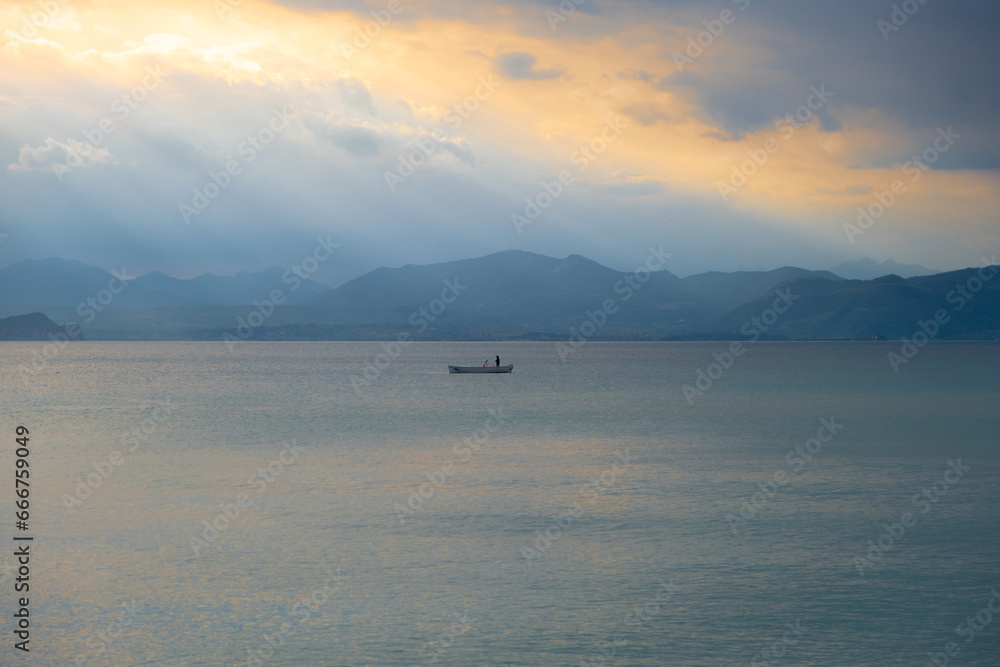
[(506, 295), (869, 269), (61, 282)]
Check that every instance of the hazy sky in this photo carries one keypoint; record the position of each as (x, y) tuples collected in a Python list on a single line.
[(114, 116)]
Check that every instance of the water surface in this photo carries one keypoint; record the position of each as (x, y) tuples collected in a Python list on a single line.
[(639, 479)]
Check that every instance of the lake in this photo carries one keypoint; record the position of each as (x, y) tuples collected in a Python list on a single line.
[(288, 503)]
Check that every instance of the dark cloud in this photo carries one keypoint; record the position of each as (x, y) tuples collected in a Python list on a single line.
[(356, 140), (518, 65), (936, 70), (346, 134), (636, 75)]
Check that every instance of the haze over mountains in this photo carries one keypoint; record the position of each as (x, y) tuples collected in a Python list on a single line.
[(61, 282), (869, 269), (506, 295)]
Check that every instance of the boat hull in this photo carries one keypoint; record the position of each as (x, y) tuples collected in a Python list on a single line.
[(481, 369)]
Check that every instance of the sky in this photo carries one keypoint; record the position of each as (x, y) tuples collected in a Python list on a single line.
[(228, 135)]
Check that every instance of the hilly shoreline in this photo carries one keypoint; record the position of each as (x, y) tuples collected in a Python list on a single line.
[(510, 295)]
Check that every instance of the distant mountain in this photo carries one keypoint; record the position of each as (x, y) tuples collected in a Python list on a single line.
[(32, 326), (521, 290), (869, 269), (67, 283), (888, 307), (242, 289), (60, 283), (730, 290), (506, 295)]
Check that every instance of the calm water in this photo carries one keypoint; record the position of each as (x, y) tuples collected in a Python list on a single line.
[(640, 549)]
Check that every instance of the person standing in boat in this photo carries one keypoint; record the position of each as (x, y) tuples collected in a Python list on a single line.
[(498, 361)]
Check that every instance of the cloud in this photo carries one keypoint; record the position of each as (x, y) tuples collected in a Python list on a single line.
[(356, 95), (849, 191), (54, 156), (355, 139), (932, 72), (626, 184), (358, 139), (358, 115), (647, 113), (461, 150), (15, 41), (638, 189), (636, 75), (520, 65)]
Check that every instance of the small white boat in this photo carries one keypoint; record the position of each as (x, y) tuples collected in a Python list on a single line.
[(481, 369)]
